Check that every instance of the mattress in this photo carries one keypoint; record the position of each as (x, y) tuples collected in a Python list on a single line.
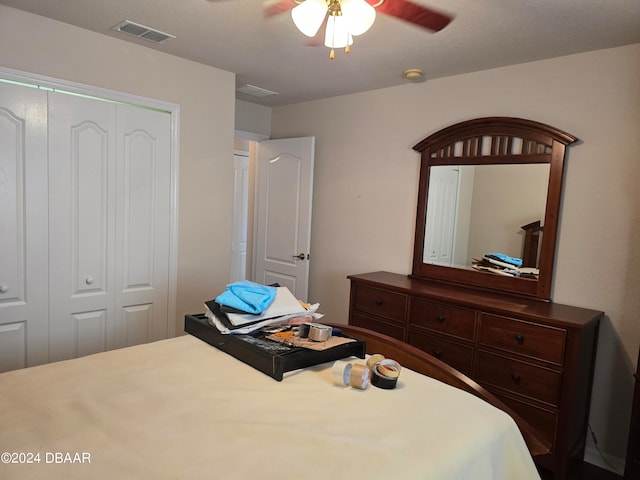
[(181, 409)]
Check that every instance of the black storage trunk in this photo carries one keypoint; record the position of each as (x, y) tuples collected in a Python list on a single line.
[(271, 358)]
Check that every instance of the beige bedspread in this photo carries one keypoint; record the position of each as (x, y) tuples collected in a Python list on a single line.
[(180, 409)]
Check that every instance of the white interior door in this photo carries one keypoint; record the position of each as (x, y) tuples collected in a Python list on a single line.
[(143, 198), (441, 215), (284, 199), (240, 216), (82, 178), (87, 221), (109, 182), (24, 327)]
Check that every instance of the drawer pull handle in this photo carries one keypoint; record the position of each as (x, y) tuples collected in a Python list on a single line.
[(378, 302), (519, 338), (440, 318), (437, 354), (515, 377)]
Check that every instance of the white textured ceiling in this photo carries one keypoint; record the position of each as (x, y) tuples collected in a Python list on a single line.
[(234, 35)]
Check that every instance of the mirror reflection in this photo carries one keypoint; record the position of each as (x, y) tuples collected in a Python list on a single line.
[(478, 210)]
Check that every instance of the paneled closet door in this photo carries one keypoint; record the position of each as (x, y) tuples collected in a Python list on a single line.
[(109, 181), (82, 225), (24, 333), (143, 199)]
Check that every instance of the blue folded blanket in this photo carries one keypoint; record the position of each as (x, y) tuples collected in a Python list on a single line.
[(247, 296), (506, 258)]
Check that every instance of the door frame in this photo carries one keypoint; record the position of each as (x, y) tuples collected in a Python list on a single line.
[(41, 81), (255, 139), (252, 225)]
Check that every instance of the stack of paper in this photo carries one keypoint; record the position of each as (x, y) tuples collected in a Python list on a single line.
[(504, 265), (283, 309)]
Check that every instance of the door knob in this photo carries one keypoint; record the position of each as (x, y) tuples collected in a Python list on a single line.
[(4, 288), (300, 256)]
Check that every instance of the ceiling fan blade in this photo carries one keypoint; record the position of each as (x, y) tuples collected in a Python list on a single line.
[(417, 14), (279, 7)]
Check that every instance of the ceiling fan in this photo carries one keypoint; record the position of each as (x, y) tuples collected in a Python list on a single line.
[(344, 19)]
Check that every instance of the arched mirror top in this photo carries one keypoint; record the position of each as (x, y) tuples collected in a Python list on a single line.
[(490, 186)]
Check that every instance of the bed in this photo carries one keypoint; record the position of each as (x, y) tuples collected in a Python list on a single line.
[(182, 409)]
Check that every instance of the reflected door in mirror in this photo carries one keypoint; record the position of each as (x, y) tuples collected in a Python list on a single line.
[(442, 213)]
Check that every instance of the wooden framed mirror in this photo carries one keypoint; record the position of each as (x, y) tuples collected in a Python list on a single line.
[(490, 185)]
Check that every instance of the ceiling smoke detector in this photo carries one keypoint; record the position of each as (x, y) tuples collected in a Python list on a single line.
[(413, 74)]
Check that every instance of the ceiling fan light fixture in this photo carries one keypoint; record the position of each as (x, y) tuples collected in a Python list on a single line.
[(359, 15), (309, 15), (337, 34)]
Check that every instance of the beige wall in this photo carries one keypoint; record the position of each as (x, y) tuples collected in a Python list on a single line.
[(206, 97), (253, 118), (366, 177)]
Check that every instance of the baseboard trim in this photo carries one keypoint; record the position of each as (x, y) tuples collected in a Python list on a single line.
[(613, 464)]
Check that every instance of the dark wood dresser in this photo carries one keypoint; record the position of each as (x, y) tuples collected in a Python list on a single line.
[(536, 356)]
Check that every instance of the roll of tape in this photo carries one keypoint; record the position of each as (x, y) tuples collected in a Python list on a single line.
[(341, 373), (319, 333), (389, 368), (373, 359), (359, 377), (303, 330), (380, 381)]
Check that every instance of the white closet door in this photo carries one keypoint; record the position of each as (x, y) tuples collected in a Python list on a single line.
[(143, 199), (24, 330), (109, 225), (82, 180)]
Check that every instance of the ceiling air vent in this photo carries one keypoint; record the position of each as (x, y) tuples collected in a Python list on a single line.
[(140, 31), (255, 91)]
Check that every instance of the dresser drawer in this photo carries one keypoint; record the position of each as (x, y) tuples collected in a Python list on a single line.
[(390, 329), (543, 420), (537, 341), (539, 383), (458, 356), (443, 318), (383, 303)]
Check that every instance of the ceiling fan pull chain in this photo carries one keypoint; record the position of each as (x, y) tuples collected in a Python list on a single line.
[(347, 49), (332, 55)]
